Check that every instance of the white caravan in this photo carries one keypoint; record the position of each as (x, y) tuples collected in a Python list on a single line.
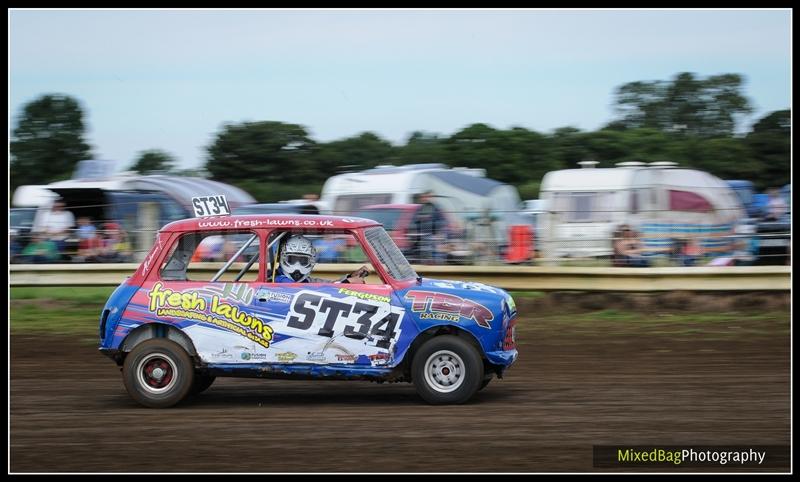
[(659, 200), (466, 193)]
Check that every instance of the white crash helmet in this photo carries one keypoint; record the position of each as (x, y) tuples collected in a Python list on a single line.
[(298, 258)]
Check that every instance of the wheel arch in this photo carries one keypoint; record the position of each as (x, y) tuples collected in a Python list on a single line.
[(433, 332), (155, 330)]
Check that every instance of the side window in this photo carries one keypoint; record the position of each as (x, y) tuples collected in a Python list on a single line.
[(337, 255), (214, 256), (688, 201), (582, 207)]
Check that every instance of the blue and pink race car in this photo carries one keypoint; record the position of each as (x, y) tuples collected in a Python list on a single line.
[(206, 303)]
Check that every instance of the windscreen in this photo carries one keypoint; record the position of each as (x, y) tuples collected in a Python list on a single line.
[(389, 254)]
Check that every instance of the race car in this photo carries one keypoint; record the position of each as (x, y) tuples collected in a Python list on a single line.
[(181, 320)]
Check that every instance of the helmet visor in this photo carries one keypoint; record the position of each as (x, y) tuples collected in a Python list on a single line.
[(303, 260)]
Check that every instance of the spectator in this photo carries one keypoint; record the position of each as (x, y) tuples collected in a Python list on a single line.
[(331, 249), (89, 243), (86, 229), (40, 250), (628, 248), (115, 247), (426, 231), (211, 248), (687, 252), (742, 255), (776, 206), (483, 236), (57, 224)]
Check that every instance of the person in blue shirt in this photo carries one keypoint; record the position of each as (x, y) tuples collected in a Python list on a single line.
[(297, 259)]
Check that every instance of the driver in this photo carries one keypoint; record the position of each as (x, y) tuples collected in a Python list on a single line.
[(297, 258)]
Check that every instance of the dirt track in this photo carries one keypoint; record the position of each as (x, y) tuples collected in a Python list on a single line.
[(70, 412)]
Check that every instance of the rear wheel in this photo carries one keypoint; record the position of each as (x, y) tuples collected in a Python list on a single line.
[(447, 370), (158, 373)]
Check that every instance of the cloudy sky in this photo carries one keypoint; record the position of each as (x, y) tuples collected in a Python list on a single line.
[(169, 79)]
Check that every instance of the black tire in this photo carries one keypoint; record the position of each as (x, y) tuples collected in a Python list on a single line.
[(458, 365), (158, 373), (201, 382), (485, 382)]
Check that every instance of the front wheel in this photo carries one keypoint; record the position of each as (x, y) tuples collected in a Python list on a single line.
[(158, 373), (447, 370)]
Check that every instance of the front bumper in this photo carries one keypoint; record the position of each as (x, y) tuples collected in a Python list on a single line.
[(503, 358)]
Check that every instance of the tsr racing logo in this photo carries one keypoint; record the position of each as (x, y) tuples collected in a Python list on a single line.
[(440, 306)]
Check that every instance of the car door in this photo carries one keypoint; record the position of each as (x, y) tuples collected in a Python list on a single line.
[(206, 288), (331, 322)]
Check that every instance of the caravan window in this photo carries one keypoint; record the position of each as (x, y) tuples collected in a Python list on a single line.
[(583, 207), (688, 201), (350, 203)]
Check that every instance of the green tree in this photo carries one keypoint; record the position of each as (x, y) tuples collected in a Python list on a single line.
[(263, 151), (569, 147), (770, 144), (422, 148), (48, 141), (154, 160), (357, 153), (516, 155), (708, 107)]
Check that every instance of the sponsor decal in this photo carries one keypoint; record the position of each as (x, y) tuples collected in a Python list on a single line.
[(464, 285), (364, 296), (324, 315), (285, 357), (246, 355), (190, 305), (441, 306), (379, 357), (222, 354), (266, 296), (346, 358), (255, 223), (478, 287), (316, 356), (149, 260)]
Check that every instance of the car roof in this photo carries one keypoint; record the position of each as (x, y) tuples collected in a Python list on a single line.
[(275, 208), (268, 221)]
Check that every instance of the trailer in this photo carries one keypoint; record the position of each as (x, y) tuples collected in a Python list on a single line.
[(660, 200), (465, 193), (140, 204)]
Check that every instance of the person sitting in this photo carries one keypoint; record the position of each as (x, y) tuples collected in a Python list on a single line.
[(115, 247), (628, 248), (297, 257), (776, 207), (56, 224), (687, 252), (40, 250), (89, 243)]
